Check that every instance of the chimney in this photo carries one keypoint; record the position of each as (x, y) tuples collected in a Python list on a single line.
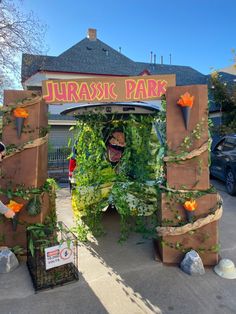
[(155, 58), (161, 59), (151, 57), (92, 34)]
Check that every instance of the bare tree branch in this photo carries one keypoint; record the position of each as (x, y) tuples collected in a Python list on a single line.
[(19, 33)]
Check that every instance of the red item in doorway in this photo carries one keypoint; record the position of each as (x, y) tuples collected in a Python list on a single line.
[(72, 165)]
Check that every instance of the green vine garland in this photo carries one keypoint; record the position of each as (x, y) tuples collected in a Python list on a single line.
[(27, 192), (129, 185)]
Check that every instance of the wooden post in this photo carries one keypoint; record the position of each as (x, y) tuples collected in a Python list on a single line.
[(190, 175), (27, 168)]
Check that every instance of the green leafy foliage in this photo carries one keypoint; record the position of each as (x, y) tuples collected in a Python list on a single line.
[(187, 143), (40, 236), (129, 184), (17, 250), (224, 95), (27, 192), (34, 206)]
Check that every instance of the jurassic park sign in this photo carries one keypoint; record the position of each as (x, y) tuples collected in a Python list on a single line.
[(107, 89)]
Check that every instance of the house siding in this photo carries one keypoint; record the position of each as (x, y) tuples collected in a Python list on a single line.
[(59, 136)]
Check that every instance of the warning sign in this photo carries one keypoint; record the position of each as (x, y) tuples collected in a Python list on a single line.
[(59, 255)]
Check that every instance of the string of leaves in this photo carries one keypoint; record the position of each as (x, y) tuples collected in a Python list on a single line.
[(126, 184), (26, 193)]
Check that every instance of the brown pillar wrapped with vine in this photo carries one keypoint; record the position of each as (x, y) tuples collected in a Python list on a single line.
[(190, 208), (24, 169)]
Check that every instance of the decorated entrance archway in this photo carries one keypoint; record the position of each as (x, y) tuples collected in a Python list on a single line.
[(187, 189)]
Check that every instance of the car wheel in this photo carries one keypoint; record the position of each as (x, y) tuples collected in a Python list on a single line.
[(230, 182)]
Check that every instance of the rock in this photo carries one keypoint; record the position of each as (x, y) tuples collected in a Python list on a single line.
[(8, 260), (192, 264)]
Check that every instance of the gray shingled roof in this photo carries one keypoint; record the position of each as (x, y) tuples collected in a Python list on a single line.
[(31, 64), (87, 56), (95, 57), (185, 75)]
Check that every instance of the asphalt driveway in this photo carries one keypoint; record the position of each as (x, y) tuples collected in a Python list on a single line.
[(126, 278)]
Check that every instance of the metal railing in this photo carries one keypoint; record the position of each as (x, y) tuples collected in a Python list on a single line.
[(58, 160)]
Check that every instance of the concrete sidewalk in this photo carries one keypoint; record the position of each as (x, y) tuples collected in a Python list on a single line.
[(125, 278)]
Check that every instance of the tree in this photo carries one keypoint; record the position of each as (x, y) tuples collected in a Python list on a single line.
[(19, 33), (224, 94)]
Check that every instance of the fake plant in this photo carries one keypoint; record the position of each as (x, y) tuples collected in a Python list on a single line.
[(115, 170), (33, 196), (34, 206)]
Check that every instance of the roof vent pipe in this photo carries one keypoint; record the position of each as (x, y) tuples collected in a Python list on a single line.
[(151, 57), (155, 58)]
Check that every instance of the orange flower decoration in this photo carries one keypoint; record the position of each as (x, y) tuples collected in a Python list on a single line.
[(190, 205), (20, 113), (186, 100), (16, 207)]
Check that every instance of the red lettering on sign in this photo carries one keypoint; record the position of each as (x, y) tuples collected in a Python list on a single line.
[(129, 88), (50, 97), (105, 89), (161, 88), (140, 90), (53, 253), (99, 91), (72, 91), (94, 91), (84, 92), (111, 91), (60, 91), (152, 88)]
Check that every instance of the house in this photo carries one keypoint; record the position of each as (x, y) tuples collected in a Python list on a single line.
[(91, 58)]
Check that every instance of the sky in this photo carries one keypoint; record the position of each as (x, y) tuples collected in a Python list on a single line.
[(197, 33)]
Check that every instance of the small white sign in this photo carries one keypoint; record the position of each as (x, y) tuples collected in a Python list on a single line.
[(59, 255)]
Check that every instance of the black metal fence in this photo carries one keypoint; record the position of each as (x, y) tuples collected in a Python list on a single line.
[(58, 161), (36, 261)]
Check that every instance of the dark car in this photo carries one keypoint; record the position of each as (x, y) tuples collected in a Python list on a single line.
[(223, 162)]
